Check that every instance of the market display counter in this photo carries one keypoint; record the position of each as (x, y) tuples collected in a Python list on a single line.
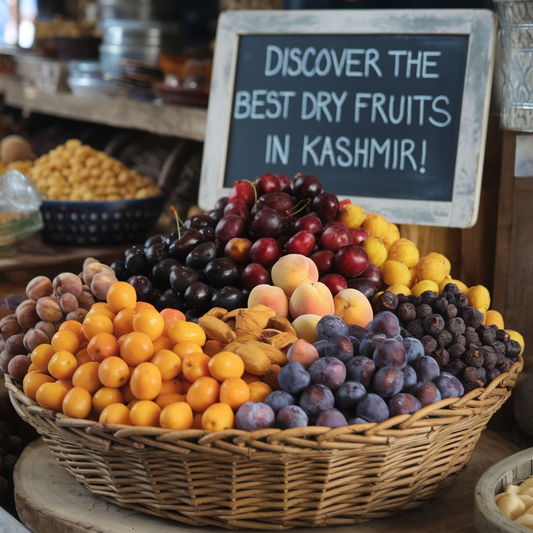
[(48, 498)]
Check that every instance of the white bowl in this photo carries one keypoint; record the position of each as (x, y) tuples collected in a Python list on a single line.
[(513, 470)]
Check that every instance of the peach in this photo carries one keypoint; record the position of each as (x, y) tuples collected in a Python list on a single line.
[(305, 326), (290, 271), (303, 352), (353, 307), (272, 297), (311, 298)]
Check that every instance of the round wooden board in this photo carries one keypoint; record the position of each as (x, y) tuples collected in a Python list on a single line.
[(48, 499)]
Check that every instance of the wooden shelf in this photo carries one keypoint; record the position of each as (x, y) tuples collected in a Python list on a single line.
[(172, 120)]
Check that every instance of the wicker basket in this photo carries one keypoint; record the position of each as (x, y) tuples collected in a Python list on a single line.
[(273, 479)]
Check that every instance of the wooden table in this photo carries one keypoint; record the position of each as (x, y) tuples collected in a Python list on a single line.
[(48, 499)]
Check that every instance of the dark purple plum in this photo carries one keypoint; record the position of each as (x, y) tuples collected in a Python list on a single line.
[(321, 348), (359, 332), (426, 392), (339, 346), (252, 416), (291, 416), (316, 398), (327, 371), (449, 386), (386, 323), (362, 285), (403, 404), (357, 420), (355, 344), (413, 349), (330, 325), (293, 378), (373, 408), (387, 381), (278, 399), (348, 395), (360, 368), (370, 343), (331, 418), (390, 353), (426, 368), (409, 377)]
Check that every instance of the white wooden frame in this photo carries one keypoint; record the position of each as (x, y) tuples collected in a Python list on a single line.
[(479, 25)]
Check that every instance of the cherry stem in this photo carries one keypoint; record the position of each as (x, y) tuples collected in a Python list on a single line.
[(178, 220), (305, 202), (253, 187)]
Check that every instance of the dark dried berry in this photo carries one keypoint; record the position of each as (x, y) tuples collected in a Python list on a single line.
[(444, 339), (429, 344), (427, 297), (406, 312), (433, 324), (469, 387), (451, 287), (473, 357), (450, 312), (455, 367), (456, 350), (402, 298), (500, 359), (504, 366), (449, 296), (412, 299), (512, 349), (415, 328), (492, 374), (475, 375), (472, 316), (460, 339), (472, 339), (440, 305), (442, 357), (461, 300), (423, 310), (486, 334), (494, 327), (387, 301), (404, 333), (489, 357), (469, 328), (455, 326), (498, 346), (502, 335)]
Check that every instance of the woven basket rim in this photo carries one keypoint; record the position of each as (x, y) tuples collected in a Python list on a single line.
[(422, 422)]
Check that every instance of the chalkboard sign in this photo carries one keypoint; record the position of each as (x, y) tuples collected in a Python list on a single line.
[(387, 108)]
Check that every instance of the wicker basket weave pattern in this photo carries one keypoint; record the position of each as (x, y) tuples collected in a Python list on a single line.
[(273, 479)]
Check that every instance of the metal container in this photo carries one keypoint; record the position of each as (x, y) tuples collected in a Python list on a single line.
[(140, 33), (516, 37)]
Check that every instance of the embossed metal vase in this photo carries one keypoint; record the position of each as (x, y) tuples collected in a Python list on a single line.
[(516, 36)]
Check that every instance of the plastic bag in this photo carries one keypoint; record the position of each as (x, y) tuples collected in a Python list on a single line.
[(20, 202)]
